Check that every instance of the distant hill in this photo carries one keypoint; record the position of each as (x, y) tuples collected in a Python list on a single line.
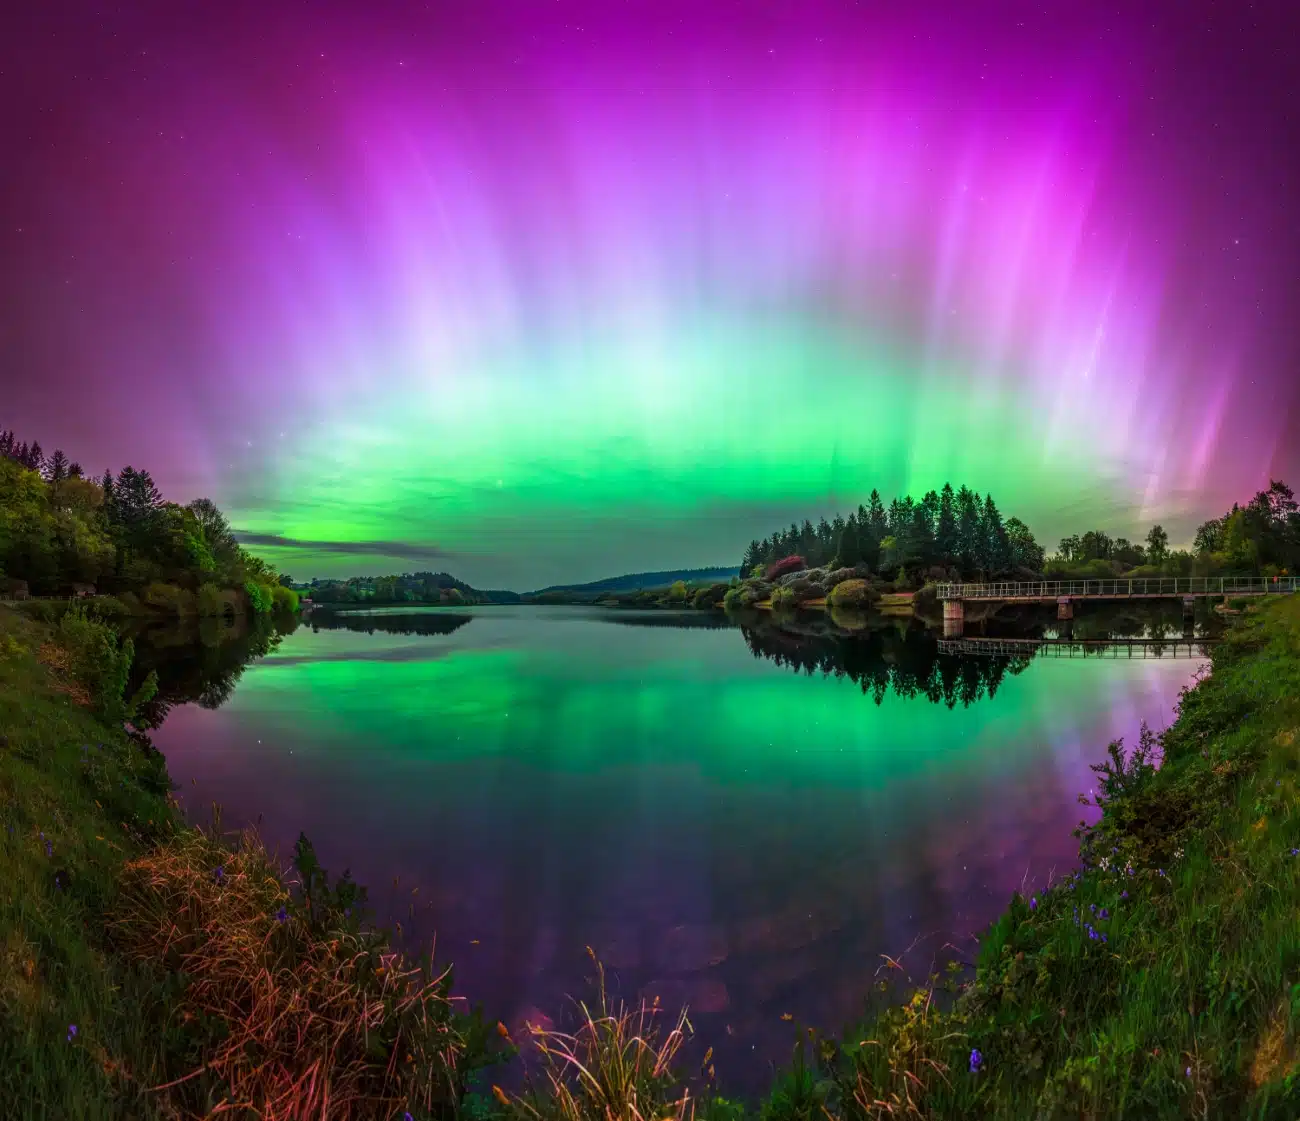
[(639, 581), (409, 587)]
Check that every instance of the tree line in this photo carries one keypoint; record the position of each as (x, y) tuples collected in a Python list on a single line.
[(961, 535), (62, 533), (957, 532)]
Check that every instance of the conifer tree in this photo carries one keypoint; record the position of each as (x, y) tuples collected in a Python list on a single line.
[(56, 468), (945, 529)]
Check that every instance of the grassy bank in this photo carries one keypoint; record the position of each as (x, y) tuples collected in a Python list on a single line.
[(1162, 980)]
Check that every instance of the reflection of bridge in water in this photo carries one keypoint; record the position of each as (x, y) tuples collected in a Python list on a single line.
[(1079, 648)]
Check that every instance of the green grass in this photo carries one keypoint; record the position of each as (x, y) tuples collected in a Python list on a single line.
[(68, 819), (1161, 981)]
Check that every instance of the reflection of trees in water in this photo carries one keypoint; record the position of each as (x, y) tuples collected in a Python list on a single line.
[(199, 663), (426, 622), (905, 662), (700, 620)]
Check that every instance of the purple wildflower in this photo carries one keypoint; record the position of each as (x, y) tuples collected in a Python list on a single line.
[(49, 848), (220, 874), (1295, 852), (72, 1031), (1033, 903), (1123, 894), (976, 1061), (1092, 933), (1103, 914), (1188, 1072), (281, 915)]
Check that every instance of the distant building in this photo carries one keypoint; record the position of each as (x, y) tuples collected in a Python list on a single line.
[(82, 591)]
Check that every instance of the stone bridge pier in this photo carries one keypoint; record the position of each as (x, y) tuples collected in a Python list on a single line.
[(954, 618), (1064, 609)]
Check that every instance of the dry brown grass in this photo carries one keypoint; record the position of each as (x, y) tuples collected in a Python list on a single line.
[(58, 661), (617, 1066), (313, 1024)]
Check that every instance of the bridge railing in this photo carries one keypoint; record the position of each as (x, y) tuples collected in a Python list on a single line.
[(1122, 588)]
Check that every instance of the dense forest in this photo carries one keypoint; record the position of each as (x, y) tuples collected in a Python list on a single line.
[(62, 533), (410, 587), (958, 534)]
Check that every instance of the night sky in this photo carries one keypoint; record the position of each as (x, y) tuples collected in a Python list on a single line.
[(546, 291)]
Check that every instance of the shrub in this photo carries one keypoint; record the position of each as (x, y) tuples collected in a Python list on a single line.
[(106, 607), (100, 664), (782, 598), (677, 593), (851, 593), (839, 575), (259, 596), (284, 599), (801, 590), (708, 597), (783, 566)]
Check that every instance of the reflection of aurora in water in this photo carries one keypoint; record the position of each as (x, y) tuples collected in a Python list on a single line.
[(719, 829)]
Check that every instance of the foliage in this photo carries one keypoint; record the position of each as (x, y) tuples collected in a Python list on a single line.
[(850, 593), (677, 593), (417, 587), (783, 599), (784, 565), (61, 532), (260, 598), (947, 529), (99, 663), (710, 595)]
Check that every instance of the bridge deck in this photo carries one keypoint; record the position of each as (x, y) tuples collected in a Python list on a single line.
[(1048, 591)]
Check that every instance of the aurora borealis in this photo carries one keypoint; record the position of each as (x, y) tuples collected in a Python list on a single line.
[(545, 292)]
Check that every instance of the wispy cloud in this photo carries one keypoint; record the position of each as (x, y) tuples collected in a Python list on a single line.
[(403, 550)]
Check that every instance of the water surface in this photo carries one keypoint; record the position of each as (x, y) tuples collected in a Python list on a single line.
[(741, 819)]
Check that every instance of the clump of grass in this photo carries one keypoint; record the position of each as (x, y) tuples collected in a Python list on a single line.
[(297, 1011), (616, 1066)]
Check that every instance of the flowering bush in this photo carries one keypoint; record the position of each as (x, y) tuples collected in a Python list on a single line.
[(784, 565)]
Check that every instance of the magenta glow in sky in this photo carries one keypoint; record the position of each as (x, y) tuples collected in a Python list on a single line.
[(616, 287)]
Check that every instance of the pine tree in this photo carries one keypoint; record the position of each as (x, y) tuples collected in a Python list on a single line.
[(35, 457), (849, 551), (945, 528), (996, 548), (74, 470), (968, 529), (56, 469)]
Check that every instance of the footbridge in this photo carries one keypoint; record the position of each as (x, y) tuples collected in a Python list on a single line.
[(1065, 593)]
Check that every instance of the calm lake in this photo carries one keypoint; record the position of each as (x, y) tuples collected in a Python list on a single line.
[(739, 819)]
